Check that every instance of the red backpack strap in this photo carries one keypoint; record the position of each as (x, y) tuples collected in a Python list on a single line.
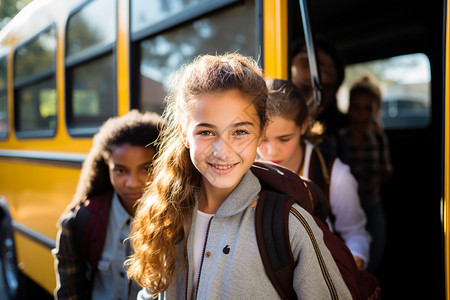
[(272, 234), (90, 225)]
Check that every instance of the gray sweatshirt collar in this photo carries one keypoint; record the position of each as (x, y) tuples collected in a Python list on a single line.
[(241, 197)]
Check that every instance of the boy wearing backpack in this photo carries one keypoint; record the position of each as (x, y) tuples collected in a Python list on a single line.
[(92, 240)]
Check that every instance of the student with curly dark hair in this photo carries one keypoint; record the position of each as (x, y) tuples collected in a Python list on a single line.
[(91, 245)]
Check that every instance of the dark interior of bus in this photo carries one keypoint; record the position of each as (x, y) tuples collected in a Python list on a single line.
[(413, 265)]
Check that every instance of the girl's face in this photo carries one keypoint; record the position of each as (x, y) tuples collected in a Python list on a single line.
[(222, 135), (301, 76), (362, 111), (281, 143), (128, 170)]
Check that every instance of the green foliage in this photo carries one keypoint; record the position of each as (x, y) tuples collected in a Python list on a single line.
[(10, 8)]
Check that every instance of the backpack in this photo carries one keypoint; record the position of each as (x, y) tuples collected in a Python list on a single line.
[(320, 167), (282, 188), (89, 226)]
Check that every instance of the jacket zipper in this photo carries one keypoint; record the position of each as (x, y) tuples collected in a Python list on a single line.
[(203, 255)]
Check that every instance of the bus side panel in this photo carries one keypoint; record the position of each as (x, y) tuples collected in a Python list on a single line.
[(446, 182), (27, 252), (37, 195)]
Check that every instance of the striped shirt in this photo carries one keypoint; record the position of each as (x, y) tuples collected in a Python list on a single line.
[(366, 160)]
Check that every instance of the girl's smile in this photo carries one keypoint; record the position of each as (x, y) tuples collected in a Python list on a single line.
[(222, 169)]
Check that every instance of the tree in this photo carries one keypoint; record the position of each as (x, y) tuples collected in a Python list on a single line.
[(10, 8)]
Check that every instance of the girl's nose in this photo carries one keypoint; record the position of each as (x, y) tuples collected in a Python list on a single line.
[(133, 180), (271, 149), (219, 147)]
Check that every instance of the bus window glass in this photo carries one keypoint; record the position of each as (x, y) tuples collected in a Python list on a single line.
[(149, 12), (3, 74), (3, 101), (91, 27), (36, 57), (34, 86), (92, 92), (37, 108), (91, 100), (231, 30), (405, 85)]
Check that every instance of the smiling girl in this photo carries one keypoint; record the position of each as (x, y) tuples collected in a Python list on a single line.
[(194, 230)]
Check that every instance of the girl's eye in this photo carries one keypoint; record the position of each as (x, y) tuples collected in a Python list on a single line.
[(205, 133), (240, 132), (284, 140), (119, 171)]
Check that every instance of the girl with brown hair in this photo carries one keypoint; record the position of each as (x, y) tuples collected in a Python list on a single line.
[(194, 229)]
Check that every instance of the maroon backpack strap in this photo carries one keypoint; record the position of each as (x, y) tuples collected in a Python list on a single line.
[(90, 225), (280, 180), (272, 234), (320, 168)]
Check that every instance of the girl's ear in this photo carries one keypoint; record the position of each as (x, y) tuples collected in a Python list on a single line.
[(305, 125), (262, 135), (183, 136)]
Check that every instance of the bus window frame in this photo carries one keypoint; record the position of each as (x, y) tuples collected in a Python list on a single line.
[(29, 81), (4, 92), (177, 20), (85, 57), (188, 15)]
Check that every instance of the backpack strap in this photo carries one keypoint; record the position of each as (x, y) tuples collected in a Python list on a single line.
[(320, 169), (89, 227), (317, 196), (272, 234)]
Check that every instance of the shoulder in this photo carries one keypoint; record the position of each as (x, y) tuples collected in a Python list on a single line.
[(98, 203), (299, 218), (341, 171), (304, 230)]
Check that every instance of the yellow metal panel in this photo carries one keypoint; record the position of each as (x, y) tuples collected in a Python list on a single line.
[(123, 57), (447, 156), (44, 265), (275, 39), (37, 195)]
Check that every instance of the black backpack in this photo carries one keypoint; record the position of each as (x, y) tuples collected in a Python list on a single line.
[(282, 188)]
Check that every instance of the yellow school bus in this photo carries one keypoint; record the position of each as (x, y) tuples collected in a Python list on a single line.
[(67, 66), (446, 129)]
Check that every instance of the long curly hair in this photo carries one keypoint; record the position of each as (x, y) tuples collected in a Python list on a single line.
[(134, 128), (168, 201)]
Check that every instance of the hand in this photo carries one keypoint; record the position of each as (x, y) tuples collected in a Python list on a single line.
[(359, 262)]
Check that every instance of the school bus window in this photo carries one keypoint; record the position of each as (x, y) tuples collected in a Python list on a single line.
[(90, 67), (405, 82), (92, 91), (163, 10), (229, 30), (3, 101), (93, 26), (34, 86)]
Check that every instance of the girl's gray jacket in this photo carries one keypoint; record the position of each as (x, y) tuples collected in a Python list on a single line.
[(231, 265)]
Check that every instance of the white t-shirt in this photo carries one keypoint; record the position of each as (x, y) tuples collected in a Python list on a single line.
[(201, 227), (350, 219)]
